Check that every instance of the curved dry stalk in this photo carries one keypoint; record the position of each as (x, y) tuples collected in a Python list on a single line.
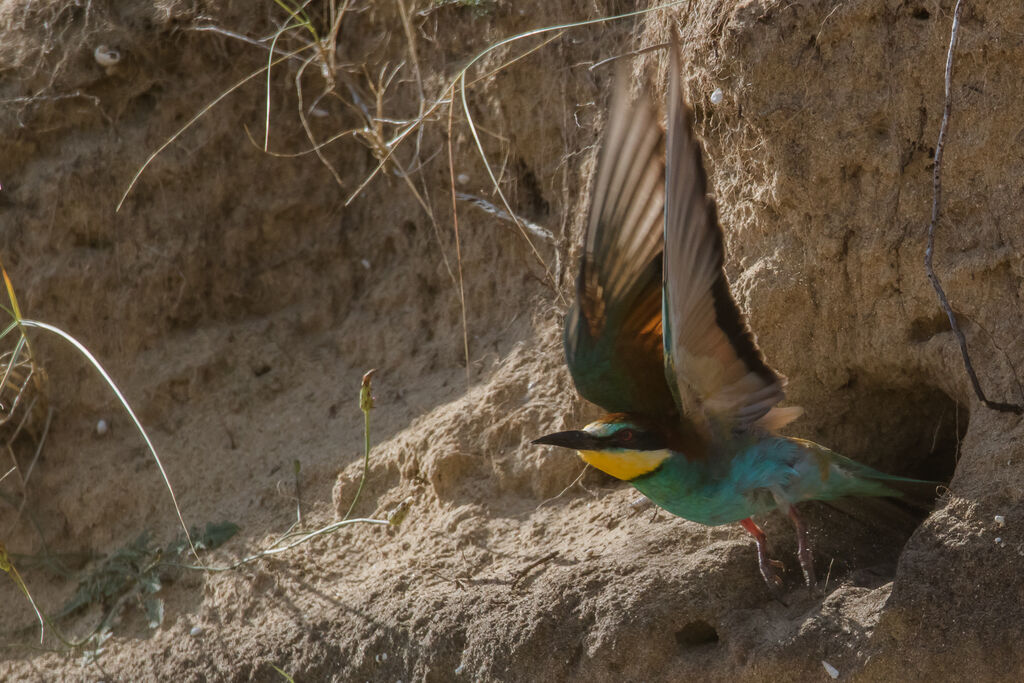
[(631, 53), (458, 245), (448, 92), (35, 458), (246, 39), (12, 571), (20, 390), (460, 81), (306, 126), (294, 155), (501, 194), (270, 64), (517, 58), (202, 112), (484, 205), (131, 413), (280, 549)]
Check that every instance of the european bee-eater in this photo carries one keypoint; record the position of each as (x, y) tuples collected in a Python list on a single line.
[(656, 339)]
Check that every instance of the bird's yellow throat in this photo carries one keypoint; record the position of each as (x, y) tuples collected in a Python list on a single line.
[(625, 465)]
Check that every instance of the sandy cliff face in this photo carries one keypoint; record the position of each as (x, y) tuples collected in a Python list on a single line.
[(239, 299)]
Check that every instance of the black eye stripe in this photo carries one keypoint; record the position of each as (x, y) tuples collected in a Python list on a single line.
[(636, 440)]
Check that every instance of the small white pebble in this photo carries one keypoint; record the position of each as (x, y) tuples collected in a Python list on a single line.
[(459, 669), (462, 178), (1000, 521), (999, 540), (717, 96), (830, 670), (365, 264), (106, 56), (196, 631), (102, 427)]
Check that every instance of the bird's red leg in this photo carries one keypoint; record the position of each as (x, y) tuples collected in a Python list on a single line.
[(768, 567), (803, 547)]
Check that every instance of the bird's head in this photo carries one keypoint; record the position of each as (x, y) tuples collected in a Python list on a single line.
[(618, 444)]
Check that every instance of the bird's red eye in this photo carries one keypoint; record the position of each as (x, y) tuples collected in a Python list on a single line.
[(626, 435)]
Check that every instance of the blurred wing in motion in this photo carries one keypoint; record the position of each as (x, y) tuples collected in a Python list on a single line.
[(712, 355), (613, 336)]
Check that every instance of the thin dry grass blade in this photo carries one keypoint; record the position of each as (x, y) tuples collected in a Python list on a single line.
[(131, 413), (202, 112)]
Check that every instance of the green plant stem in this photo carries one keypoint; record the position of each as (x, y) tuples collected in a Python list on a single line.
[(12, 571), (366, 405), (330, 528), (366, 462)]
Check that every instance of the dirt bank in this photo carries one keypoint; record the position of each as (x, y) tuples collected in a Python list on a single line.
[(238, 296)]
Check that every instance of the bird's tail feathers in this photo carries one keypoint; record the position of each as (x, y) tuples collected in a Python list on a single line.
[(900, 515), (919, 492), (845, 477)]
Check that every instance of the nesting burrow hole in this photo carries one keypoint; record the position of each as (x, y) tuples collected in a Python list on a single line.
[(907, 428)]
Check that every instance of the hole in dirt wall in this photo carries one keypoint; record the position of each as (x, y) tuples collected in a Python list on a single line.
[(908, 429)]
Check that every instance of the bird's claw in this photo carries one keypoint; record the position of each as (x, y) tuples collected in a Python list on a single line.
[(803, 551), (770, 572), (769, 568), (809, 578)]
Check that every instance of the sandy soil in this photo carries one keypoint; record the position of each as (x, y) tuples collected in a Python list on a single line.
[(238, 298)]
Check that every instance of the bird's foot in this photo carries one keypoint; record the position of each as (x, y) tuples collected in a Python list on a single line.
[(807, 567), (803, 549), (771, 572), (770, 569)]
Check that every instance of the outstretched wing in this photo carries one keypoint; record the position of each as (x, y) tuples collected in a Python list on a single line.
[(712, 355), (613, 336)]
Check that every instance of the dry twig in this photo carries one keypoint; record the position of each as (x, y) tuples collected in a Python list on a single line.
[(521, 574), (458, 246), (936, 203)]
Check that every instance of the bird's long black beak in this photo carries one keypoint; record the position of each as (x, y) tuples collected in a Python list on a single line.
[(577, 439)]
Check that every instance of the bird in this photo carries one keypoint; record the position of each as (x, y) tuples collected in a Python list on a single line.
[(656, 339)]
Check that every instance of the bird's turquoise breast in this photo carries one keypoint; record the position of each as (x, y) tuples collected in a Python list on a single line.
[(722, 490), (683, 490)]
